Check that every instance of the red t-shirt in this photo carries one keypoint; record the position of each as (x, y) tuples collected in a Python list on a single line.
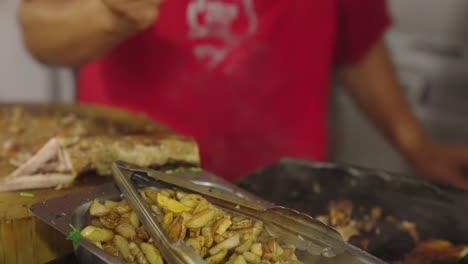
[(248, 79)]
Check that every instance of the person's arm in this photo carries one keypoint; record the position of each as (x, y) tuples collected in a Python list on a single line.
[(373, 85), (74, 32)]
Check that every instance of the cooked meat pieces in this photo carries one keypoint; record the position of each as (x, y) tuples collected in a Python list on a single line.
[(437, 251)]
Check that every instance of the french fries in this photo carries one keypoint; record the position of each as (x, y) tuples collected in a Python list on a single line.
[(218, 237)]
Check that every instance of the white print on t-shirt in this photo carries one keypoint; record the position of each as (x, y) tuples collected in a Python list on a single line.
[(213, 19)]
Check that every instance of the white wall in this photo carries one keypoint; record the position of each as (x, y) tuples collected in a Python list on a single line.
[(440, 18), (21, 77)]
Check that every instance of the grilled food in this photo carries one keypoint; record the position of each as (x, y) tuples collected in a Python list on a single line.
[(437, 251), (46, 147), (363, 228)]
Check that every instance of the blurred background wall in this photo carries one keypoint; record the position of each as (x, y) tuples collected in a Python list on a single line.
[(22, 78), (429, 44)]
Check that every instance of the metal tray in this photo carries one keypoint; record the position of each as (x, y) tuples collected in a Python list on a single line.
[(439, 212), (73, 209)]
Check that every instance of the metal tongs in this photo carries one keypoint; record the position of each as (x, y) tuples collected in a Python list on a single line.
[(287, 225)]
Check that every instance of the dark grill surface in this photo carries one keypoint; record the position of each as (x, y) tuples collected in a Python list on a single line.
[(439, 212)]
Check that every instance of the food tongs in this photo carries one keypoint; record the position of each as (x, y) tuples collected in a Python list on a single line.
[(308, 234)]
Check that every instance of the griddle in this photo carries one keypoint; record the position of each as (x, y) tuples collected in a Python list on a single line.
[(439, 212)]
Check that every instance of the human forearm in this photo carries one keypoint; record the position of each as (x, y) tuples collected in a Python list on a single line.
[(373, 85), (72, 32)]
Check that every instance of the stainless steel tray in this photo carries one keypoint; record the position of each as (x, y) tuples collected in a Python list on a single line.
[(73, 210)]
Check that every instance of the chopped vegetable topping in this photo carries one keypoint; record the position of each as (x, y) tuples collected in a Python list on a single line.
[(75, 237), (169, 172), (196, 169), (27, 195), (179, 170)]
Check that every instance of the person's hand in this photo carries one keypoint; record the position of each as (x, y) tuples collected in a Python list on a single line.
[(142, 13), (446, 164)]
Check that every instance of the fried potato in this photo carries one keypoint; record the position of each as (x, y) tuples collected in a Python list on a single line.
[(136, 252), (194, 232), (236, 259), (96, 223), (111, 220), (204, 252), (97, 234), (180, 195), (178, 230), (201, 218), (110, 248), (256, 248), (221, 225), (122, 244), (258, 228), (110, 204), (203, 205), (126, 230), (171, 205), (186, 216), (217, 236), (144, 195), (288, 253), (142, 233), (156, 210), (168, 193), (217, 258), (225, 245), (275, 249), (98, 209), (151, 195), (98, 244), (206, 233), (123, 209), (152, 254), (134, 220), (192, 200), (244, 247), (195, 244), (167, 220), (251, 258), (243, 224)]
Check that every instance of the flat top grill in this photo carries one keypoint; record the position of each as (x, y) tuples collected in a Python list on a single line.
[(439, 213)]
